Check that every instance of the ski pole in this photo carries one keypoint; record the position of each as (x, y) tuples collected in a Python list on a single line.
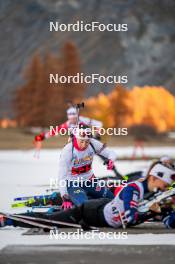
[(53, 221), (78, 106), (27, 221), (117, 174)]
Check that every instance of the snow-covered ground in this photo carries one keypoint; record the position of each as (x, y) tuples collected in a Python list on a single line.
[(10, 236), (21, 174)]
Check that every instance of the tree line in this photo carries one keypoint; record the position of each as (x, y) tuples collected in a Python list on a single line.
[(39, 103)]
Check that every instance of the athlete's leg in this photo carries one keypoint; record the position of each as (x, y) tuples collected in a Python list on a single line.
[(89, 213), (77, 195), (92, 212), (93, 189)]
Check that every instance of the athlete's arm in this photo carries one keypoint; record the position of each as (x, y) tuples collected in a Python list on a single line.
[(130, 196), (101, 149), (64, 166), (53, 132), (169, 221)]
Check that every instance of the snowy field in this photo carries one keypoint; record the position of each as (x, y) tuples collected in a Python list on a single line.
[(21, 174)]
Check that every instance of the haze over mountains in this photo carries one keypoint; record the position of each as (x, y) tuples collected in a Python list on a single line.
[(145, 53)]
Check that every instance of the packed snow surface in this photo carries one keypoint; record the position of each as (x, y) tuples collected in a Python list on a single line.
[(22, 174)]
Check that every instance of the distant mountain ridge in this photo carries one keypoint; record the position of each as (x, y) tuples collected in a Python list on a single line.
[(145, 53)]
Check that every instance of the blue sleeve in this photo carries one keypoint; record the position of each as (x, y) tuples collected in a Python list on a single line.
[(169, 221), (130, 197)]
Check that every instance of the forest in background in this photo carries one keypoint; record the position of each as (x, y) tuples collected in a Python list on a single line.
[(41, 104)]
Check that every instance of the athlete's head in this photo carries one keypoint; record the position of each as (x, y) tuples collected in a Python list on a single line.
[(72, 115), (168, 161), (82, 135), (160, 177)]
